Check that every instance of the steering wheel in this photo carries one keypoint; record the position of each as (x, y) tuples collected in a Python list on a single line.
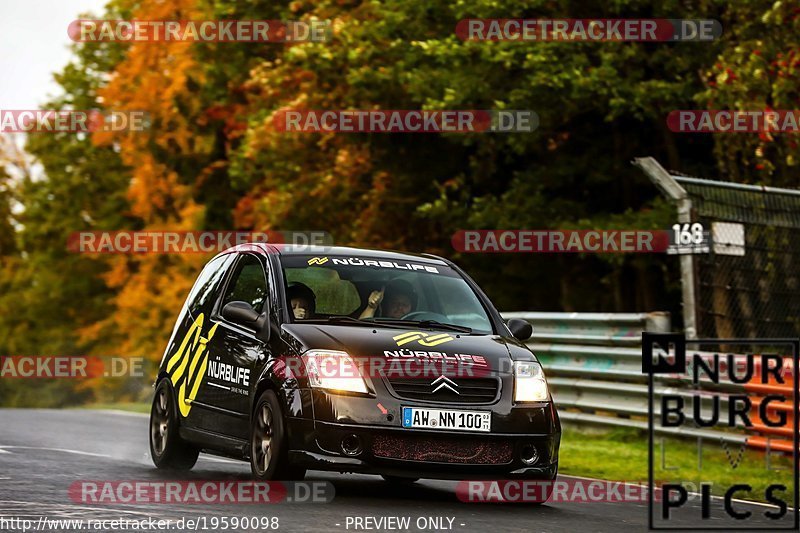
[(425, 315)]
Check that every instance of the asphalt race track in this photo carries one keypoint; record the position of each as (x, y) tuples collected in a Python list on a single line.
[(42, 452)]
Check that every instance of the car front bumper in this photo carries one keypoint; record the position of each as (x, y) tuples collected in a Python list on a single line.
[(383, 446)]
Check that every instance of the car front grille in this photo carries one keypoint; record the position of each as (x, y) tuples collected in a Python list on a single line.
[(447, 389), (465, 450)]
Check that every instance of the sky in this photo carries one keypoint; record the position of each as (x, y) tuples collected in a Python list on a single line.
[(33, 45)]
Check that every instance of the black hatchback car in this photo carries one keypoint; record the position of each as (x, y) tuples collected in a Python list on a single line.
[(354, 361)]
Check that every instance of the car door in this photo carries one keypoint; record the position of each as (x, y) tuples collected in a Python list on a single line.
[(185, 358), (234, 351)]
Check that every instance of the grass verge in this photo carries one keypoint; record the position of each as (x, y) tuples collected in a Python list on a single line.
[(622, 455)]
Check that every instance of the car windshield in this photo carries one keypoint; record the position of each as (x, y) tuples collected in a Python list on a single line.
[(390, 291)]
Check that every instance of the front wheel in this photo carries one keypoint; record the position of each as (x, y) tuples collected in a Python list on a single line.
[(268, 443), (167, 449)]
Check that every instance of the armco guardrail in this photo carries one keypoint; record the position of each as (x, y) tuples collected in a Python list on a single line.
[(593, 362), (770, 437)]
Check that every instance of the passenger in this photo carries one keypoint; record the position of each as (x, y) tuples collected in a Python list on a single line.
[(395, 300), (302, 300)]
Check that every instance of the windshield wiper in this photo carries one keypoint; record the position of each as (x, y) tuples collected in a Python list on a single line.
[(442, 325), (432, 324), (340, 319)]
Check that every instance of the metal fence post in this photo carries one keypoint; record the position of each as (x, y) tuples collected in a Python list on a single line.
[(673, 190)]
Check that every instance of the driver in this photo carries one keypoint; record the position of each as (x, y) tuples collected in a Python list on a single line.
[(302, 300), (395, 300)]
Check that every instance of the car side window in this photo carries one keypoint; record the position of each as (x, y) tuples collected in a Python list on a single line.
[(248, 283), (206, 285)]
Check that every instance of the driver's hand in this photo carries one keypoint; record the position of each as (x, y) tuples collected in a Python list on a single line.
[(375, 298), (299, 313)]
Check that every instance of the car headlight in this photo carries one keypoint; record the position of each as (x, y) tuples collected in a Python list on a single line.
[(333, 370), (529, 382)]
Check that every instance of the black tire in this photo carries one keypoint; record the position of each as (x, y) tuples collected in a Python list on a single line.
[(400, 480), (167, 449), (269, 458), (549, 491)]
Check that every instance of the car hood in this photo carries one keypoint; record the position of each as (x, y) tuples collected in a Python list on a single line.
[(491, 352)]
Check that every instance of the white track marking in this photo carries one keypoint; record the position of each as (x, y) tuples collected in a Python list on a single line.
[(70, 507), (221, 459), (692, 493), (125, 413), (62, 450)]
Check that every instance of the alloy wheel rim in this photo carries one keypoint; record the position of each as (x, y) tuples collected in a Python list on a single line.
[(159, 425), (262, 442)]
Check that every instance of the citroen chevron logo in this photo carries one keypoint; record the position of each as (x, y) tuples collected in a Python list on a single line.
[(445, 382), (423, 338), (317, 260)]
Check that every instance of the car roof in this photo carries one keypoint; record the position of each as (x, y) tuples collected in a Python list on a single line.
[(364, 253)]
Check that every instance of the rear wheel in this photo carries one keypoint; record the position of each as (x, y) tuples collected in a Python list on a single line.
[(268, 444), (167, 449)]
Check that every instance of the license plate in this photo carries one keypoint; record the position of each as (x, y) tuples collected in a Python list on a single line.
[(415, 417)]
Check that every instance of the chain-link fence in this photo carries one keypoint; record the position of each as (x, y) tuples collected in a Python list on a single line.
[(748, 286)]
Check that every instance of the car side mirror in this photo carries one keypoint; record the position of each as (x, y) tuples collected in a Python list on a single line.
[(264, 327), (520, 329), (241, 313)]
